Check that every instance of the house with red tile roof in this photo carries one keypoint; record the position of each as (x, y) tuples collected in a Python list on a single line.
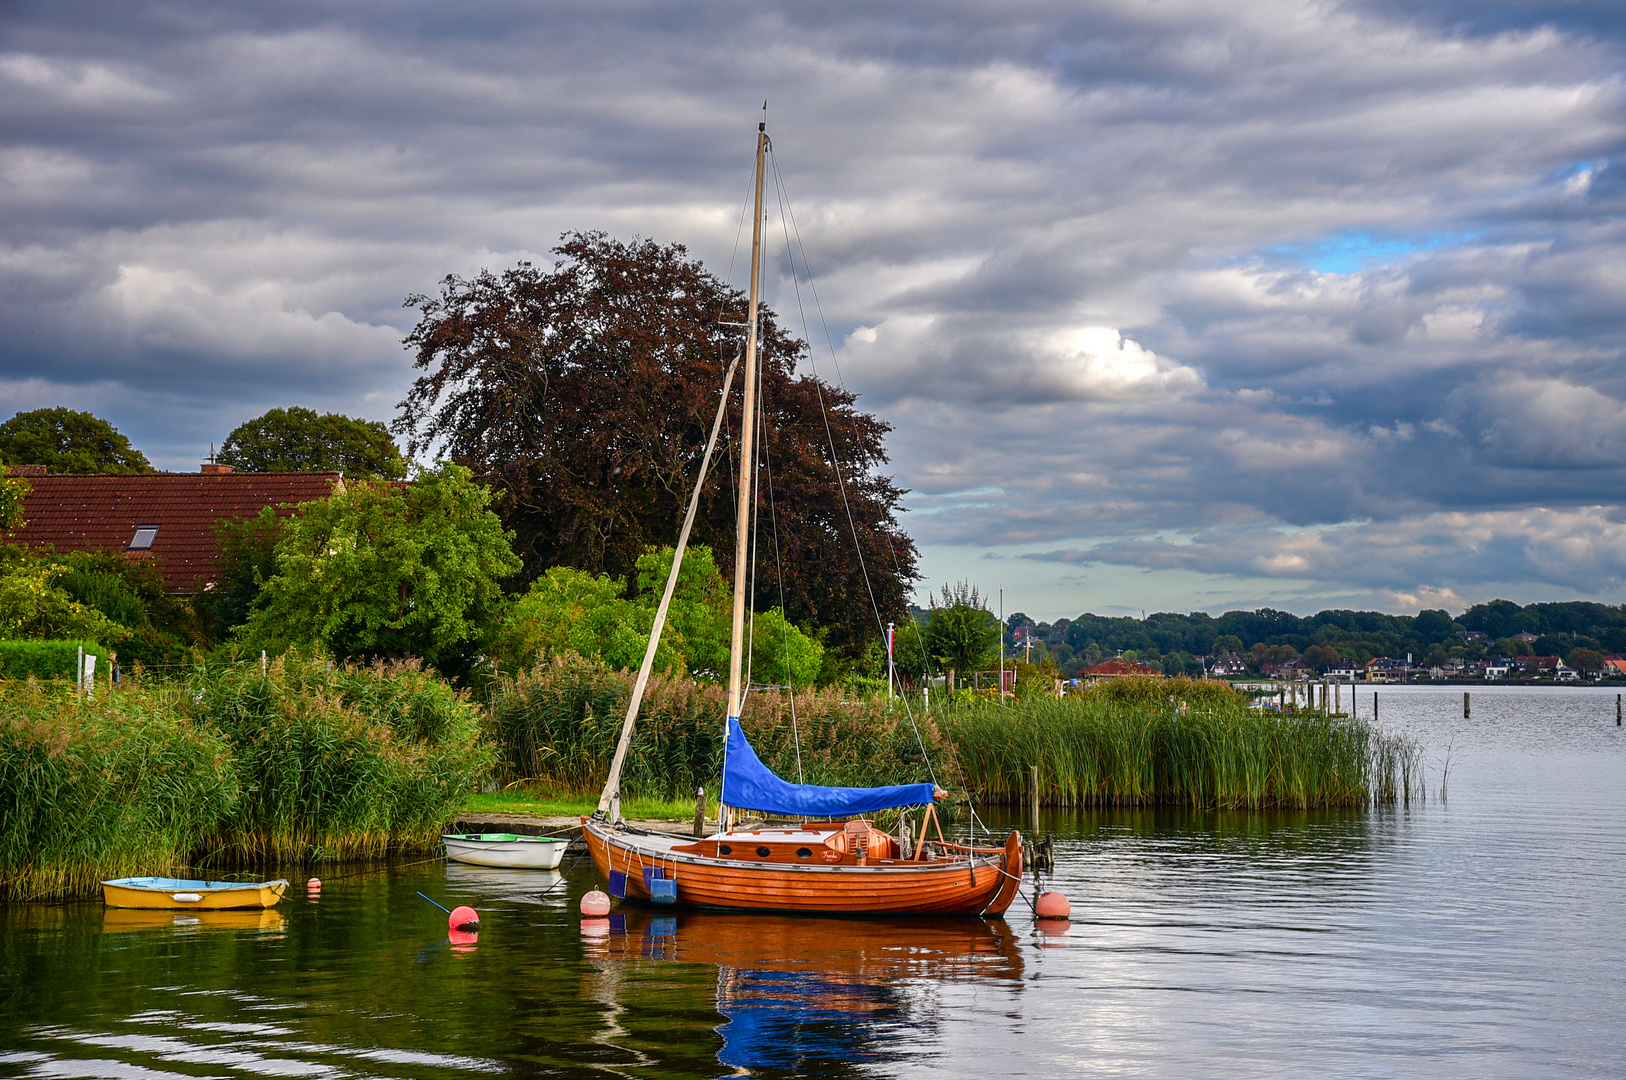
[(1118, 668), (165, 517)]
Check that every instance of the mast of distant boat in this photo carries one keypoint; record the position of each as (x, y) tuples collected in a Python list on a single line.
[(736, 647)]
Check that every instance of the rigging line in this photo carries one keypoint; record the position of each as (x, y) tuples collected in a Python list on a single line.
[(818, 305), (784, 619), (787, 221)]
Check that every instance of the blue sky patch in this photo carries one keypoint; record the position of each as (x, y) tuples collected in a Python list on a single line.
[(1354, 250)]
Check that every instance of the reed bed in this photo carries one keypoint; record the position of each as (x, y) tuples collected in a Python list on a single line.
[(340, 762), (557, 726), (111, 789), (1136, 742), (228, 767)]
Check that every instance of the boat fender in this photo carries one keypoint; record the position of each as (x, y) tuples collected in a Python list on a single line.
[(1052, 905), (186, 897), (595, 905), (464, 919)]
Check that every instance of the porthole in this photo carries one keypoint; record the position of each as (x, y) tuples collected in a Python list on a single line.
[(804, 853), (764, 851), (724, 849)]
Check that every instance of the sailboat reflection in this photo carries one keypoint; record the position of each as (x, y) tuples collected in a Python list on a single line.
[(798, 992)]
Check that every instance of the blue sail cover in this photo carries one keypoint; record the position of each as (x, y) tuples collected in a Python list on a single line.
[(750, 785)]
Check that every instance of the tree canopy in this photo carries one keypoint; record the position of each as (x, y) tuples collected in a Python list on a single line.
[(66, 441), (572, 611), (378, 570), (583, 393), (297, 439), (962, 633)]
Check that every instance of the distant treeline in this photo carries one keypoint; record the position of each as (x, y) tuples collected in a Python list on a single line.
[(1327, 638)]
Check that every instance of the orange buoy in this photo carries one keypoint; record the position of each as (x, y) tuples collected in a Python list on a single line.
[(596, 904), (314, 884), (464, 919), (1052, 905)]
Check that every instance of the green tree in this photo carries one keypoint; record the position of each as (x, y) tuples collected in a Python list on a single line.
[(297, 440), (584, 392), (1321, 657), (962, 633), (248, 558), (1586, 661), (1228, 643), (382, 571), (13, 490), (66, 441), (569, 610), (31, 606)]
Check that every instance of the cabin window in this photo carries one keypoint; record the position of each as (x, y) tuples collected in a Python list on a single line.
[(143, 538), (764, 851), (724, 849), (804, 853)]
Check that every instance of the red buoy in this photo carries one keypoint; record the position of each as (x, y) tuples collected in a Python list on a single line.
[(596, 904), (314, 884), (1052, 905), (464, 919)]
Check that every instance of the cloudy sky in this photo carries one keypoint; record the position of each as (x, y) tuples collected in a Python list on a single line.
[(1175, 305)]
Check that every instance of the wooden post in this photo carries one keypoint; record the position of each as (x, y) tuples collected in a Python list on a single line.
[(700, 811), (1617, 710), (1374, 706), (1465, 705), (1033, 776)]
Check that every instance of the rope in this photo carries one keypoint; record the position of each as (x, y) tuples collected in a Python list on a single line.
[(788, 223)]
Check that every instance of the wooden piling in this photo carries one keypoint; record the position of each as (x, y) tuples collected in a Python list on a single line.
[(1374, 706), (1033, 778), (1617, 710), (700, 811), (1465, 704)]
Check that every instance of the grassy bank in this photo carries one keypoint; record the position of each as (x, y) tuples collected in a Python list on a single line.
[(228, 768), (1133, 742)]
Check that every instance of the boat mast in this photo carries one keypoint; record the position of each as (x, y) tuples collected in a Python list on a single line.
[(748, 407)]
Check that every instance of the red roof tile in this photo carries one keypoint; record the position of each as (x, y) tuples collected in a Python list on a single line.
[(1119, 666), (76, 512)]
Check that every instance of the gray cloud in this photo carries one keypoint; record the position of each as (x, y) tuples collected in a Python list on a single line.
[(1314, 301)]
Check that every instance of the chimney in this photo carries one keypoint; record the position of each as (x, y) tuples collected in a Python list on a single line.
[(26, 470), (213, 468)]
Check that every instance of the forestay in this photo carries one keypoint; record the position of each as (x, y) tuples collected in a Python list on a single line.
[(749, 784)]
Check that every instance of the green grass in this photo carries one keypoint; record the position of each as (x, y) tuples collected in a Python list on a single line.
[(530, 804)]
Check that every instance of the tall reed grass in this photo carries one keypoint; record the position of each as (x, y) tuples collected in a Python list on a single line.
[(338, 762), (557, 725), (229, 767), (1131, 742), (110, 789)]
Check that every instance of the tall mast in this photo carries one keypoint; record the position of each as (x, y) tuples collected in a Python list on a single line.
[(748, 408)]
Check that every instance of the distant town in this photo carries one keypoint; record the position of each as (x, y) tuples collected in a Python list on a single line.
[(1571, 641)]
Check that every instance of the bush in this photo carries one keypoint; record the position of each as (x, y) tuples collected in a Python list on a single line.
[(46, 659)]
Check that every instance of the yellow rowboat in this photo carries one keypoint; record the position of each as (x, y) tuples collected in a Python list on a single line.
[(180, 893)]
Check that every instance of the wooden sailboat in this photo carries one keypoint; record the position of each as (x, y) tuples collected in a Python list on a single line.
[(845, 866)]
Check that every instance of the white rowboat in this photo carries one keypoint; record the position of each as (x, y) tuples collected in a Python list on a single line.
[(506, 849)]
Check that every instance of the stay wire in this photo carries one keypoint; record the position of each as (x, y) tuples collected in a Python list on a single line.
[(779, 573), (788, 224)]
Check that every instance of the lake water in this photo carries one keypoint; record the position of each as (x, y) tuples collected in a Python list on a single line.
[(1479, 936)]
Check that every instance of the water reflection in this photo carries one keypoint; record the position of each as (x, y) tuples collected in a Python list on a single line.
[(807, 993), (124, 920)]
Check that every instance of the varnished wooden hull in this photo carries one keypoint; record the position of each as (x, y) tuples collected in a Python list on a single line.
[(983, 884)]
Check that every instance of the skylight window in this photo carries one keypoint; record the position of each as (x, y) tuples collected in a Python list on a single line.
[(144, 536)]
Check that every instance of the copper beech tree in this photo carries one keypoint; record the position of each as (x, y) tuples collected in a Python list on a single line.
[(583, 394)]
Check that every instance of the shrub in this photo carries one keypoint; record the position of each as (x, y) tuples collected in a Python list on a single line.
[(46, 659)]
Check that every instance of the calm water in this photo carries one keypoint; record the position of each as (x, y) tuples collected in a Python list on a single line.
[(1482, 936)]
